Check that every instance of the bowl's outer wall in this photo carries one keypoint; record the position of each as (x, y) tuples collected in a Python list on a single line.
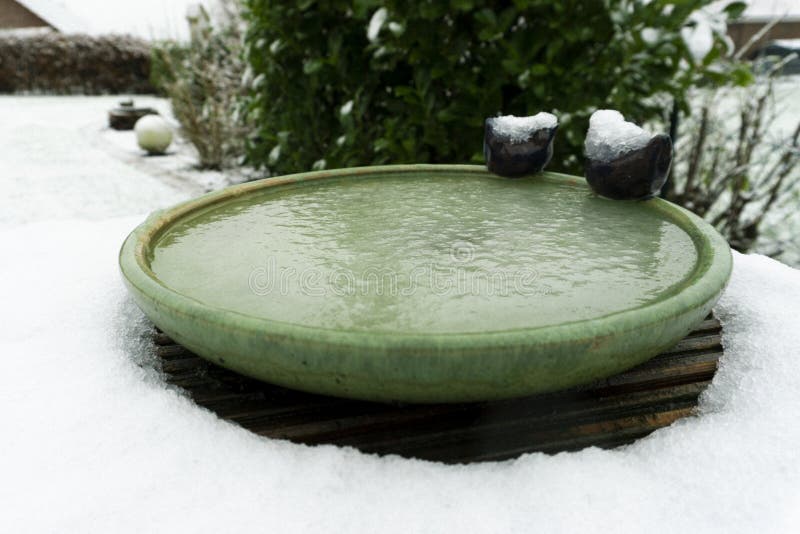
[(424, 368)]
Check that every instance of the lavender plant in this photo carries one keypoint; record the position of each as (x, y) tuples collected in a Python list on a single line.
[(204, 82)]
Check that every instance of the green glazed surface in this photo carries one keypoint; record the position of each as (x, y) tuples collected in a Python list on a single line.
[(424, 283)]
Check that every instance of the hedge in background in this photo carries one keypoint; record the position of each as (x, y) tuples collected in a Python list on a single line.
[(340, 83), (50, 62)]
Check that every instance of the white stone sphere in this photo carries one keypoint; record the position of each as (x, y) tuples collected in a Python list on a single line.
[(153, 134)]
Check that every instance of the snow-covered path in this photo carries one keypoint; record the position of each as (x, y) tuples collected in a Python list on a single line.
[(53, 163), (92, 441)]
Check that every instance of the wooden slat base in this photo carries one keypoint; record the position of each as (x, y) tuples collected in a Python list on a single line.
[(606, 413)]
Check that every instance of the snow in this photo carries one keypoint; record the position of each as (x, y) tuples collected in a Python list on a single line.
[(703, 25), (96, 442), (396, 28), (275, 154), (56, 13), (611, 136), (26, 33), (650, 35), (376, 23), (770, 9), (792, 44), (699, 38), (46, 144), (762, 10), (519, 129), (56, 150), (148, 19), (346, 108)]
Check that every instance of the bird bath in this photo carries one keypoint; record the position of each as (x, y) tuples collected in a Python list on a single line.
[(424, 283)]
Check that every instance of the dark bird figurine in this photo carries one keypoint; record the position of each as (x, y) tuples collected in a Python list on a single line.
[(516, 146), (623, 161)]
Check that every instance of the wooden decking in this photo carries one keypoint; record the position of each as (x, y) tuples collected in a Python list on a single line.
[(607, 413)]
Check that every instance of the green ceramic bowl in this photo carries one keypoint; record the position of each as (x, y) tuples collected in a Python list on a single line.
[(424, 283)]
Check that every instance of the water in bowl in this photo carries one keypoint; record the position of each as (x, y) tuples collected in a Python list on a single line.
[(425, 254)]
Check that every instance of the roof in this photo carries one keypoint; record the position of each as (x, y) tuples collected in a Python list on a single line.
[(56, 14), (147, 19)]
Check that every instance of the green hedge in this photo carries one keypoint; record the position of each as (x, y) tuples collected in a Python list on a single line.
[(326, 94)]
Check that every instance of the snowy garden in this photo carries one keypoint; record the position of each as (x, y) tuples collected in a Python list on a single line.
[(96, 440)]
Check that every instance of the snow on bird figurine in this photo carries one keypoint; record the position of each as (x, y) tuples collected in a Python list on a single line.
[(623, 161), (516, 146)]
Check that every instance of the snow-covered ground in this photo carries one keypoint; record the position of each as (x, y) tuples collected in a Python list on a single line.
[(59, 160), (93, 440)]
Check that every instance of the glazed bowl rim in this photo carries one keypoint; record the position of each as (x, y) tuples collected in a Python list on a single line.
[(704, 283)]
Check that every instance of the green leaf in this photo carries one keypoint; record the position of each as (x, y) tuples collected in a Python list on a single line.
[(540, 69), (734, 10), (486, 18), (742, 75), (303, 5), (462, 5), (311, 66)]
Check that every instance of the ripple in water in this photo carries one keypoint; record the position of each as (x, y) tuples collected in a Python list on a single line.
[(425, 255)]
